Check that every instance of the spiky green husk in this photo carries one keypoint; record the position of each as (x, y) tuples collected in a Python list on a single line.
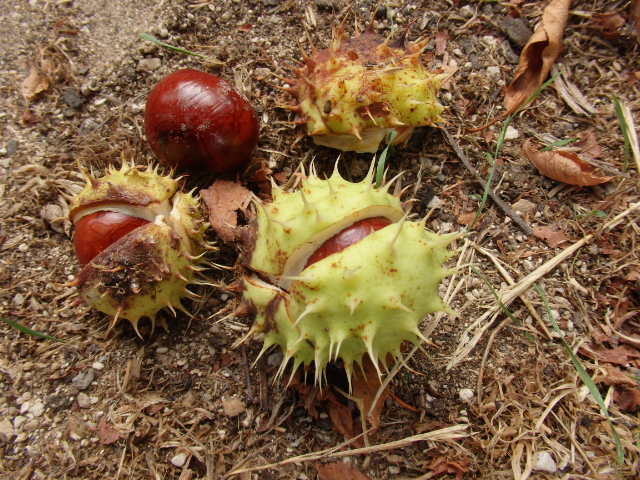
[(354, 93), (150, 268), (364, 300)]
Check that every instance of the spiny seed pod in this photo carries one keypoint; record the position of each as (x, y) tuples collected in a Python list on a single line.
[(338, 272), (353, 94), (140, 241)]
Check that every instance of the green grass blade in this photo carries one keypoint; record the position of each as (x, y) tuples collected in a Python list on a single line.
[(157, 41), (382, 160), (584, 376), (559, 144), (624, 127), (34, 333)]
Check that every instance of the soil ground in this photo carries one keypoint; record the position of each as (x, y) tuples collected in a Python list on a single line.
[(107, 404)]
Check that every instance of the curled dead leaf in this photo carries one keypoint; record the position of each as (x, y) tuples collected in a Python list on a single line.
[(34, 84), (224, 199), (563, 166), (553, 237), (107, 433), (538, 55), (608, 24)]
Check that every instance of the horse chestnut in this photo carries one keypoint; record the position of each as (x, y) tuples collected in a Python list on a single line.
[(347, 237), (196, 121), (97, 231), (140, 241)]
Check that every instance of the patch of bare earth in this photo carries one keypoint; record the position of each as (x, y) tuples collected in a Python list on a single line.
[(183, 404)]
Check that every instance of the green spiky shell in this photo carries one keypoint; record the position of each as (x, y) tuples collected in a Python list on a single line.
[(365, 300), (151, 267), (354, 93)]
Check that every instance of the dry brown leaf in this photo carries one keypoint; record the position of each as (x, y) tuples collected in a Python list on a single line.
[(619, 355), (615, 376), (627, 399), (339, 471), (442, 465), (538, 55), (224, 199), (366, 383), (341, 416), (609, 24), (589, 145), (107, 433), (563, 166), (34, 84), (551, 236)]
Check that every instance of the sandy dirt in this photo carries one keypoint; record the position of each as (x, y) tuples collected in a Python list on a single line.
[(183, 404)]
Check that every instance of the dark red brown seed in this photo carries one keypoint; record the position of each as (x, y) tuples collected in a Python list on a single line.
[(347, 237), (197, 121), (97, 231)]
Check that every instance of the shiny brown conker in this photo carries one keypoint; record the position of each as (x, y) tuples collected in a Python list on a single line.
[(197, 121), (347, 237), (97, 231)]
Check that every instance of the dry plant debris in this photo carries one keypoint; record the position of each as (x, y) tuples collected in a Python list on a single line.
[(511, 404), (563, 166), (538, 55)]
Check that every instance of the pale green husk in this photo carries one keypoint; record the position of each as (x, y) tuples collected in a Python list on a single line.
[(364, 300), (151, 267)]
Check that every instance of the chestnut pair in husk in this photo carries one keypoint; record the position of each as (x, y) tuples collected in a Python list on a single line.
[(333, 270)]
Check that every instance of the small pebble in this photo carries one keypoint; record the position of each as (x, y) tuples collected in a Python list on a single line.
[(161, 350), (97, 365), (18, 421), (544, 462), (82, 380), (467, 11), (72, 98), (149, 64), (36, 408), (83, 400), (466, 395), (511, 133), (493, 71), (179, 459), (232, 406)]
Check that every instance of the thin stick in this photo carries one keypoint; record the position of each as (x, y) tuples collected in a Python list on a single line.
[(510, 294), (510, 212), (453, 432)]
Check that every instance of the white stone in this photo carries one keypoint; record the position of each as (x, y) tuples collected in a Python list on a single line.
[(544, 462), (511, 133), (6, 429), (466, 395), (179, 459), (18, 421), (97, 365), (489, 40), (36, 408), (83, 400), (467, 11), (493, 71)]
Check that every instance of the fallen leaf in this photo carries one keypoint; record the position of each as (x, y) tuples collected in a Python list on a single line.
[(366, 383), (563, 166), (633, 275), (466, 218), (107, 433), (34, 84), (618, 355), (589, 145), (609, 24), (339, 471), (341, 416), (615, 376), (551, 236), (442, 465), (627, 399), (224, 199), (538, 55)]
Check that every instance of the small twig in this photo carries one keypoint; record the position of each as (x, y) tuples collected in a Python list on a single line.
[(510, 212)]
